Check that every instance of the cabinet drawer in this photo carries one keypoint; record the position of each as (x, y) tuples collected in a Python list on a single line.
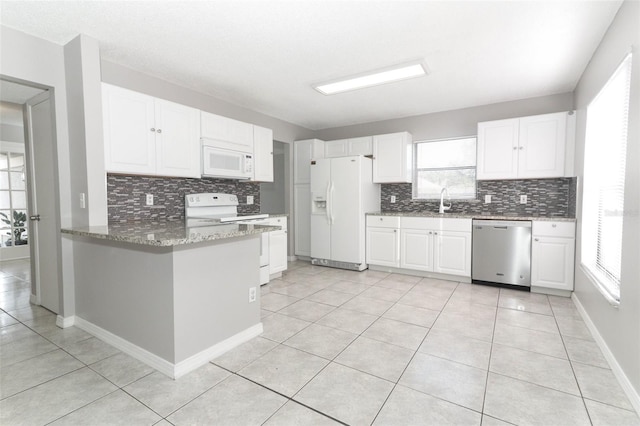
[(383, 221), (460, 225), (554, 229), (420, 223), (278, 221)]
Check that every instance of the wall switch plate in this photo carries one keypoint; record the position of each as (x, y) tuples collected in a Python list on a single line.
[(393, 199), (487, 199), (523, 199), (149, 199), (249, 199), (83, 200), (252, 294)]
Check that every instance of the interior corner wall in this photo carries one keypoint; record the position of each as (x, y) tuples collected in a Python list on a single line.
[(618, 327), (84, 102), (29, 59), (452, 124)]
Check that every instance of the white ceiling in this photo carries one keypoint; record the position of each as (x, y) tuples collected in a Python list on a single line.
[(265, 55)]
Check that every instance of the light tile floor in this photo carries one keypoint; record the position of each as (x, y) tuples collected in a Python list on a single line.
[(338, 347)]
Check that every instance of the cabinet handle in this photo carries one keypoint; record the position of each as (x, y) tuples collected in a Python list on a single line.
[(435, 233), (430, 232), (159, 130), (535, 239), (395, 230), (515, 148), (522, 147), (553, 225), (153, 129)]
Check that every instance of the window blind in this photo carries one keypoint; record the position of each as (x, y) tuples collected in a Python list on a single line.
[(604, 176)]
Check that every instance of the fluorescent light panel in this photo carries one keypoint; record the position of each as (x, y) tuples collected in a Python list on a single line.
[(375, 78)]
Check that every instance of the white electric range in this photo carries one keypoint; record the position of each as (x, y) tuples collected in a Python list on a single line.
[(208, 211)]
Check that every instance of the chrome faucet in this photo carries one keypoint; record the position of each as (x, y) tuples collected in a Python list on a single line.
[(443, 208)]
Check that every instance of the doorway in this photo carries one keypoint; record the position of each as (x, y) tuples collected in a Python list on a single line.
[(29, 197)]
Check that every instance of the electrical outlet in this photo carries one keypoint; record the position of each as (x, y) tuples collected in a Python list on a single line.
[(83, 200), (523, 199), (149, 199), (249, 199), (252, 294), (487, 199), (393, 199)]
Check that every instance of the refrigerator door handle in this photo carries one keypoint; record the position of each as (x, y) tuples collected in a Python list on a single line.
[(331, 209), (328, 205)]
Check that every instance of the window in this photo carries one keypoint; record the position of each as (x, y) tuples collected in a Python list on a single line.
[(447, 164), (13, 200), (604, 171)]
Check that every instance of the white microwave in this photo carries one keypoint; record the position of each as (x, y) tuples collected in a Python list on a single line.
[(224, 160)]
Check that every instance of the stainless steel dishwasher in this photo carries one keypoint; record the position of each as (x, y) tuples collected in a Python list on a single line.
[(501, 253)]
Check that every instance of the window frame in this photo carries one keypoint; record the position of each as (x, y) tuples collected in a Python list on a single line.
[(417, 170), (591, 263)]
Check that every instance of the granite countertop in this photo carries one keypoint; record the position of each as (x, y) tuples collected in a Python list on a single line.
[(473, 216), (167, 234), (278, 214)]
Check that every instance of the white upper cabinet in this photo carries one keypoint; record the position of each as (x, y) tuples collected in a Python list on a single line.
[(227, 130), (303, 152), (526, 147), (392, 158), (262, 154), (344, 147), (337, 148), (145, 135)]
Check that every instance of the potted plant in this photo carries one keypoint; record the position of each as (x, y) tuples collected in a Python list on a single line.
[(19, 219)]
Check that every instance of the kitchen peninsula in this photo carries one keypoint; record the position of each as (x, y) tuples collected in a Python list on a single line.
[(174, 297)]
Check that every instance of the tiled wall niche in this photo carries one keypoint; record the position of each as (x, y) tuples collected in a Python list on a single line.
[(126, 196), (545, 197)]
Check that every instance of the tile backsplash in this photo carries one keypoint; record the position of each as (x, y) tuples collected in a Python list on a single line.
[(126, 196), (545, 197)]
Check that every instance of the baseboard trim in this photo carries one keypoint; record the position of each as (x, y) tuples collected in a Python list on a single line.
[(63, 322), (167, 368), (624, 381)]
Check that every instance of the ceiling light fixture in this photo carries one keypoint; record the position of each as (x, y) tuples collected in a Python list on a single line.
[(373, 78)]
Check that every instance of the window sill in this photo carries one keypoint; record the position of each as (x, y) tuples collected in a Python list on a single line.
[(600, 287)]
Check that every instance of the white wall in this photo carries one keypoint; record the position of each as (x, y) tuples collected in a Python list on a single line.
[(456, 123), (11, 133), (619, 327)]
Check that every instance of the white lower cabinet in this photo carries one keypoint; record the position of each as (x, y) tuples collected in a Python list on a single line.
[(552, 255), (383, 241), (278, 246), (438, 245)]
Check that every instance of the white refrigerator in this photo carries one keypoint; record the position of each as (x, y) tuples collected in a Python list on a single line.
[(342, 192)]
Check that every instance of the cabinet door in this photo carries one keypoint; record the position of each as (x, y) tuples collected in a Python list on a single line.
[(226, 129), (552, 261), (392, 157), (498, 149), (337, 148), (416, 249), (302, 217), (129, 131), (262, 154), (360, 146), (277, 251), (542, 146), (452, 253), (177, 140), (383, 247)]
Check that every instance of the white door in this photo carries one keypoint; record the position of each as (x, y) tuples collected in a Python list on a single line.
[(302, 220), (452, 253), (542, 145), (129, 131), (262, 154), (347, 217), (44, 233), (177, 140), (498, 149), (277, 251), (552, 262), (416, 249), (383, 247), (320, 176)]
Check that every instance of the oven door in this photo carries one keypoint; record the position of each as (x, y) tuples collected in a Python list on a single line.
[(224, 163)]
